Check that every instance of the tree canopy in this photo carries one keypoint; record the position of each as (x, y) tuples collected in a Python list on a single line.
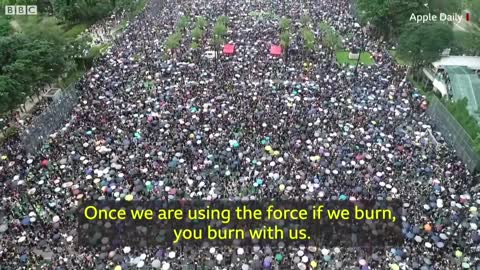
[(38, 50), (308, 38), (389, 16), (201, 23), (182, 23), (423, 44), (284, 24)]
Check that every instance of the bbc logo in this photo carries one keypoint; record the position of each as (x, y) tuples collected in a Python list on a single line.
[(20, 10)]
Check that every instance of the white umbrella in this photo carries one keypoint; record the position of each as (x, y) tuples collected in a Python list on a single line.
[(165, 266), (156, 264), (171, 254)]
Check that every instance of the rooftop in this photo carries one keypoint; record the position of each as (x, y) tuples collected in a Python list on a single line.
[(472, 62), (466, 84)]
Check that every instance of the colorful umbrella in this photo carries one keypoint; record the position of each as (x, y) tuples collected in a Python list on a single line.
[(279, 257)]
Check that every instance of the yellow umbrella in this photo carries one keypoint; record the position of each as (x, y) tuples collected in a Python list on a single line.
[(281, 187), (458, 253), (118, 267), (268, 148), (313, 264), (276, 153), (394, 266), (129, 197), (4, 157)]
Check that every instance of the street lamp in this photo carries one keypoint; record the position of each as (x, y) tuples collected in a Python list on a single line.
[(362, 48)]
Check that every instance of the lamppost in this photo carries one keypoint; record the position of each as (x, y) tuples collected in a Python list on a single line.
[(362, 48)]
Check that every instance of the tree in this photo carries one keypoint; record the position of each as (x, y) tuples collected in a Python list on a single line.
[(305, 20), (223, 20), (308, 38), (474, 8), (173, 42), (5, 27), (285, 43), (182, 24), (194, 45), (201, 23), (324, 27), (389, 16), (83, 10), (41, 28), (219, 32), (330, 38), (29, 61), (36, 64), (466, 43), (445, 6), (284, 25), (197, 34), (422, 44), (78, 51), (12, 94)]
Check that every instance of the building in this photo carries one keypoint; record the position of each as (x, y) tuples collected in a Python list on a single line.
[(457, 77)]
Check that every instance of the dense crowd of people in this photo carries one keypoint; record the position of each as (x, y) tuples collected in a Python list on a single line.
[(243, 126)]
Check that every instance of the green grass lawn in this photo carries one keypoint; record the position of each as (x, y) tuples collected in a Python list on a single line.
[(365, 59)]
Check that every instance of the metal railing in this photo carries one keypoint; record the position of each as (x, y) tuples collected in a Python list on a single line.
[(454, 134), (50, 120)]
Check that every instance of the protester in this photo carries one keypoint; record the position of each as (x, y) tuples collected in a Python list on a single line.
[(149, 128)]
